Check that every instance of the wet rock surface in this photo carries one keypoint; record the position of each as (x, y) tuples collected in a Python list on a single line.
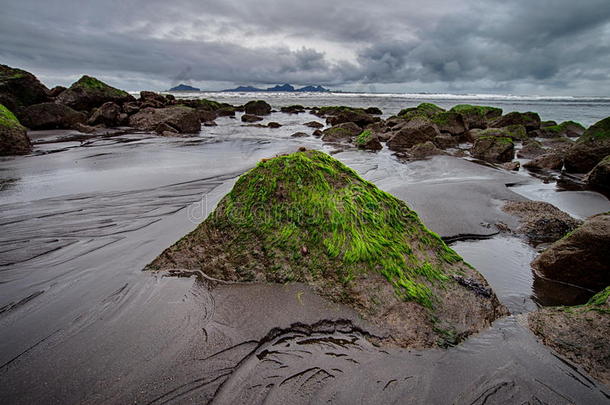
[(182, 119), (89, 92), (493, 149), (13, 135)]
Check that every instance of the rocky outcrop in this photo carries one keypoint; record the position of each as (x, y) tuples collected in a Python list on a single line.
[(530, 120), (493, 149), (579, 333), (257, 107), (50, 116), (13, 136), (19, 89), (590, 149), (412, 132), (446, 141), (423, 109), (89, 92), (541, 221), (582, 257), (599, 177), (357, 116), (475, 116), (368, 140), (341, 133), (182, 119), (306, 217), (152, 99), (108, 114)]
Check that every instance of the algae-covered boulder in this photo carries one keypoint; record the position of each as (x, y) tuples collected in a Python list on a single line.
[(257, 107), (13, 136), (423, 109), (531, 149), (514, 132), (449, 122), (476, 116), (307, 217), (530, 120), (568, 128), (579, 333), (250, 118), (581, 257), (590, 149), (417, 130), (89, 92), (600, 175), (182, 119), (494, 149), (357, 116), (368, 140), (50, 116), (341, 133), (19, 88)]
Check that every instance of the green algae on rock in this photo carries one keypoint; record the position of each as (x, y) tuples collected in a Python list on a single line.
[(89, 92), (307, 217), (13, 135)]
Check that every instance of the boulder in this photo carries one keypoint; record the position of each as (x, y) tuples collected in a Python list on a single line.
[(373, 111), (299, 135), (368, 140), (514, 132), (206, 115), (341, 133), (56, 91), (446, 141), (358, 117), (250, 118), (13, 136), (568, 128), (293, 109), (541, 221), (19, 89), (579, 333), (89, 92), (590, 148), (226, 112), (581, 257), (550, 160), (274, 124), (50, 116), (424, 150), (183, 119), (306, 217), (423, 109), (449, 122), (599, 177), (314, 124), (531, 149), (108, 114), (131, 107), (317, 133), (152, 99), (511, 166), (544, 124), (493, 149), (530, 120), (257, 107), (414, 131), (475, 116)]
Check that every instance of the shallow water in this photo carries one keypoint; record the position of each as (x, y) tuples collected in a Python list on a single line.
[(81, 323)]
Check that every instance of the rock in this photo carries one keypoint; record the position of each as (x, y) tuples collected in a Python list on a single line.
[(209, 124), (449, 122), (56, 91), (590, 148), (446, 141), (572, 129), (85, 129), (183, 119), (531, 149), (226, 112), (475, 116), (131, 107), (417, 130), (599, 177), (13, 136), (568, 128), (511, 166), (257, 107), (423, 109), (358, 117), (19, 88), (541, 221), (424, 150), (293, 109), (107, 114), (373, 111), (299, 135), (317, 133), (341, 133), (368, 140), (50, 116), (550, 160), (314, 124), (152, 99), (166, 129), (306, 217), (250, 118), (206, 115), (493, 149), (274, 125), (514, 132), (207, 105), (530, 120), (89, 92), (579, 333), (582, 257), (544, 124)]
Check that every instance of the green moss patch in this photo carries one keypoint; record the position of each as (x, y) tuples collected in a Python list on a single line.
[(477, 110), (8, 119), (92, 84), (363, 138), (599, 131), (424, 109)]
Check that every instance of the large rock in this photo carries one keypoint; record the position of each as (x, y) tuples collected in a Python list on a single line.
[(250, 118), (568, 128), (152, 99), (89, 92), (531, 149), (449, 122), (493, 149), (19, 89), (423, 109), (108, 114), (182, 119), (13, 136), (579, 333), (358, 117), (581, 257), (530, 120), (50, 116), (550, 160), (541, 221), (514, 132), (424, 150), (341, 133), (414, 131), (257, 107), (475, 116), (599, 177), (368, 140), (306, 217), (590, 149)]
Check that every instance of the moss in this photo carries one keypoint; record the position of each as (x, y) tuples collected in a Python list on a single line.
[(93, 84), (566, 124), (599, 131), (363, 138), (424, 109), (334, 110), (600, 298), (206, 104), (8, 119), (482, 111), (499, 139)]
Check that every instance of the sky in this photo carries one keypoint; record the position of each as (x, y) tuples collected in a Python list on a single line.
[(532, 47)]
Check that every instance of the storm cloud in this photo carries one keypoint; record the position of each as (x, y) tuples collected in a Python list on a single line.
[(541, 47)]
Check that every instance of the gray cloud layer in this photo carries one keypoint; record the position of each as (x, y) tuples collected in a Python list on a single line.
[(542, 46)]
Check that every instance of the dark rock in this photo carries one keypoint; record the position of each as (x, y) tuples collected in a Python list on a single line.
[(152, 99), (424, 150), (107, 114), (19, 88), (544, 124), (417, 130), (358, 117), (50, 116), (56, 91), (131, 107), (85, 129), (341, 132), (373, 111), (424, 109), (164, 128), (314, 124), (475, 116), (569, 128), (13, 136), (493, 149), (511, 166), (550, 160), (183, 119), (257, 107), (599, 177), (581, 257), (210, 124), (446, 141), (514, 132), (299, 135), (293, 109), (317, 133), (531, 149), (274, 125), (449, 122), (590, 148), (89, 92), (368, 140), (250, 118), (541, 221), (206, 116), (530, 120), (226, 112)]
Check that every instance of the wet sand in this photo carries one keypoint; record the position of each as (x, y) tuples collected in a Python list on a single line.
[(81, 323)]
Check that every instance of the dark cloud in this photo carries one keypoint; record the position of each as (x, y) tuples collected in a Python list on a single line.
[(550, 46)]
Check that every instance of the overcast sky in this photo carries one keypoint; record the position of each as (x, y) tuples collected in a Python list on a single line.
[(547, 47)]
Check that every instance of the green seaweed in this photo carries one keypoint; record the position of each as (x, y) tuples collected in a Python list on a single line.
[(363, 138), (599, 131), (477, 110), (8, 119)]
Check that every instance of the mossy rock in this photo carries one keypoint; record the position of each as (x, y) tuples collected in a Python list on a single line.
[(19, 89), (341, 133), (89, 92), (423, 109), (13, 135), (476, 116), (368, 140), (590, 148), (599, 177), (494, 149), (257, 107), (307, 217)]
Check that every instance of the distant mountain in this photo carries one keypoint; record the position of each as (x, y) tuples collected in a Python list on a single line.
[(184, 87), (278, 88)]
